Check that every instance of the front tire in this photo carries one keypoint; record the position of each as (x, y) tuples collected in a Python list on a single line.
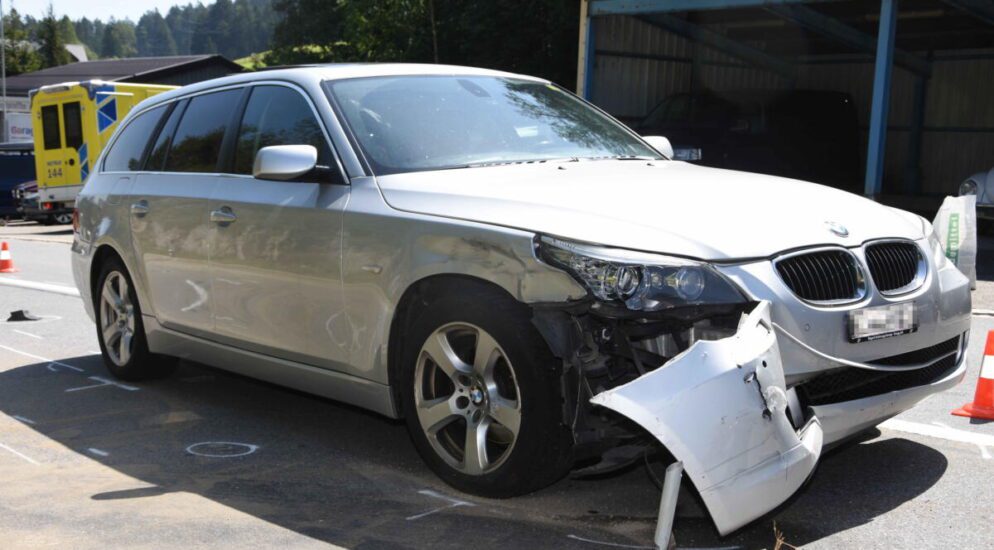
[(120, 330), (481, 395)]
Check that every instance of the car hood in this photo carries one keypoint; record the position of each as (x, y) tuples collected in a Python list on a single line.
[(665, 206)]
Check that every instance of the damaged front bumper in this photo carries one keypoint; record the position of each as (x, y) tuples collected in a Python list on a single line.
[(720, 407)]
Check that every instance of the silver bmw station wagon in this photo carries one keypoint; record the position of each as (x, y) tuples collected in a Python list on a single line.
[(531, 286)]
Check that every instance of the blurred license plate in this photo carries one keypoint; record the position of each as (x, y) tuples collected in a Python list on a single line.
[(874, 323)]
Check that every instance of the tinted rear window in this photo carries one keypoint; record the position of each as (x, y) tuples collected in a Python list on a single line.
[(197, 143), (74, 124), (126, 153), (157, 157), (50, 127)]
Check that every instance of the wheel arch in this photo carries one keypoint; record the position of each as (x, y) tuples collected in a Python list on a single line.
[(415, 298), (101, 254)]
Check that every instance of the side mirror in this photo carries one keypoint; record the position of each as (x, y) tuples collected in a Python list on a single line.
[(284, 162), (659, 143)]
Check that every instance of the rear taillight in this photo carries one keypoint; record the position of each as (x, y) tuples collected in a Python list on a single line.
[(75, 221), (48, 206)]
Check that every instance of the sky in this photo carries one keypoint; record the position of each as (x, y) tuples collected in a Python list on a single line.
[(95, 9)]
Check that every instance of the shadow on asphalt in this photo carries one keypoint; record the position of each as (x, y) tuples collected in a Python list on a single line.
[(342, 475)]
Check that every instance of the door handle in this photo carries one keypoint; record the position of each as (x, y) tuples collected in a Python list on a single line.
[(139, 209), (223, 216)]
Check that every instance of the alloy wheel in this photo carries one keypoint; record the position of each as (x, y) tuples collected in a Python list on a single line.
[(117, 318), (467, 398)]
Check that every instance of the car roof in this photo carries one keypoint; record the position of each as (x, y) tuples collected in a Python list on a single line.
[(334, 71)]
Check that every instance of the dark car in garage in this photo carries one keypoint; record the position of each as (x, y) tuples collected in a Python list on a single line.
[(804, 134)]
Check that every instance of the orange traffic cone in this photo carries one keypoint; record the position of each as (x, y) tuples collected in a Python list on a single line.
[(6, 263), (983, 402)]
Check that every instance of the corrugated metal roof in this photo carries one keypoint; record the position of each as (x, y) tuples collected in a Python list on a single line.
[(148, 68)]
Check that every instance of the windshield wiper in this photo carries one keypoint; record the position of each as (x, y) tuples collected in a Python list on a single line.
[(629, 157), (521, 161)]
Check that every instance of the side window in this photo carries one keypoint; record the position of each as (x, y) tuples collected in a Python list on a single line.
[(157, 158), (277, 115), (125, 155), (74, 124), (50, 127), (197, 143)]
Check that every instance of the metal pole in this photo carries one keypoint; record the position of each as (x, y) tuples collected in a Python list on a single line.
[(3, 73), (583, 52), (881, 97), (667, 506)]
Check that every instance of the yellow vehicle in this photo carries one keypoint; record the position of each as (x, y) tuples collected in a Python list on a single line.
[(72, 122)]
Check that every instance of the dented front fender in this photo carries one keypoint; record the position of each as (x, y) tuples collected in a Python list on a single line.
[(720, 407)]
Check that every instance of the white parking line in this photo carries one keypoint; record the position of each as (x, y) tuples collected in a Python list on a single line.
[(28, 334), (20, 454), (40, 358), (98, 452), (23, 419), (103, 382), (44, 287), (51, 367), (941, 432), (984, 453), (605, 543), (453, 503)]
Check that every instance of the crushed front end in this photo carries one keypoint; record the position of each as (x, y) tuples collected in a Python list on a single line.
[(732, 372)]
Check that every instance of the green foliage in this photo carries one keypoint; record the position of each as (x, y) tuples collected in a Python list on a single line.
[(67, 31), (53, 51), (153, 36), (233, 28), (529, 36), (21, 56), (119, 40)]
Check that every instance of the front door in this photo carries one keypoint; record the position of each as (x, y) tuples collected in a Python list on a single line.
[(275, 246)]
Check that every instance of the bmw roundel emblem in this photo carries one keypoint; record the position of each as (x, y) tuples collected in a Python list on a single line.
[(838, 229)]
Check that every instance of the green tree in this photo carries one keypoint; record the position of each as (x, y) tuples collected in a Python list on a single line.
[(68, 31), (20, 55), (53, 47), (119, 40), (153, 37), (529, 36)]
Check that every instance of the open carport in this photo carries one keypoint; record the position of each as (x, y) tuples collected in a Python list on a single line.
[(917, 72)]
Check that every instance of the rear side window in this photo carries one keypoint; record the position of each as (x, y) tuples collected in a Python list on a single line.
[(125, 155), (157, 158), (50, 127), (277, 115), (74, 124), (197, 143)]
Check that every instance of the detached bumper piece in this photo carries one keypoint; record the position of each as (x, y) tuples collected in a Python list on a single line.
[(720, 408)]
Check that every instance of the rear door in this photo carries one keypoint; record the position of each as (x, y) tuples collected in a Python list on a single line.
[(169, 221), (275, 246), (52, 171)]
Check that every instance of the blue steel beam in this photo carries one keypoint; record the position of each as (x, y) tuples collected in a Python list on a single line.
[(881, 97), (641, 7), (589, 58), (836, 30), (722, 43), (981, 9)]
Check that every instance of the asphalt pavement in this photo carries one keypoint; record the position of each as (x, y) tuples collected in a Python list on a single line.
[(210, 459)]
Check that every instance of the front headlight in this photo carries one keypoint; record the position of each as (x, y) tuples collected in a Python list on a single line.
[(642, 282), (968, 187)]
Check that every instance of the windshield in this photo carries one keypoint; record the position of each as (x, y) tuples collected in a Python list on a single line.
[(412, 123)]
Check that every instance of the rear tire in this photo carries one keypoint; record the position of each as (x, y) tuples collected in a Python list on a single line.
[(120, 330), (474, 365)]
